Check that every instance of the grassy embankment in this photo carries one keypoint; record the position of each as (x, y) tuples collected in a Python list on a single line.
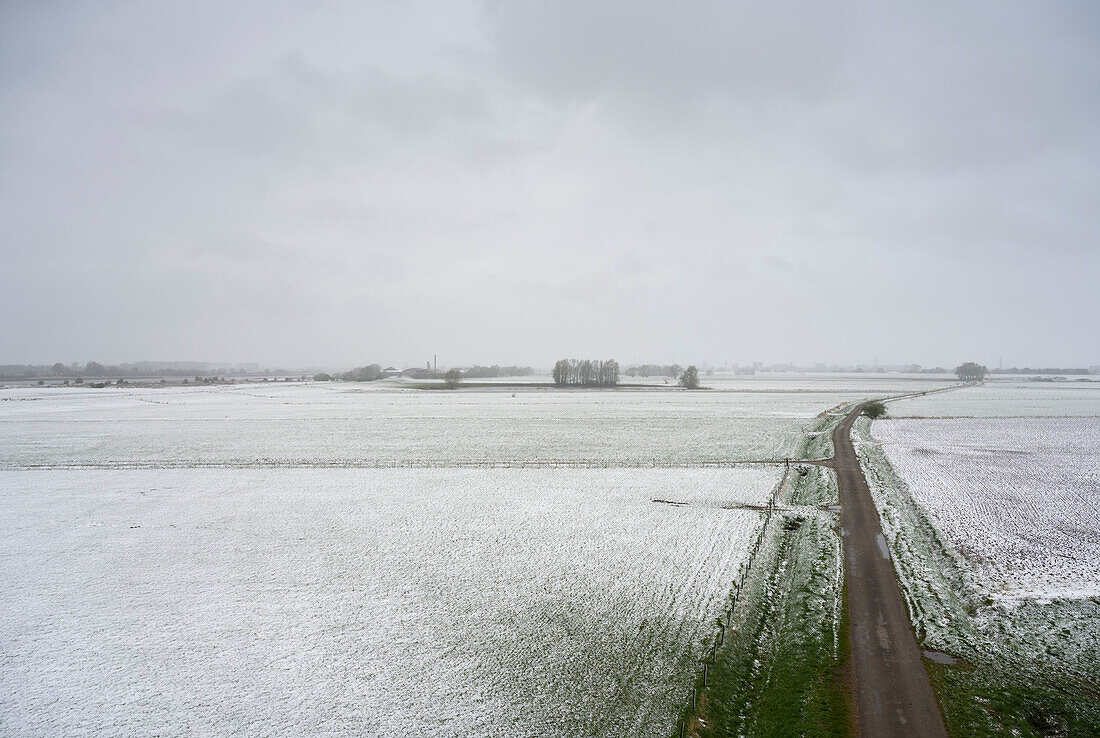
[(782, 668), (1029, 670)]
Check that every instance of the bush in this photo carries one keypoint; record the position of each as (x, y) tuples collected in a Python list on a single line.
[(874, 410), (453, 378), (690, 378)]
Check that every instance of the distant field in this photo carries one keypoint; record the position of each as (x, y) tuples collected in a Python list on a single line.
[(1007, 399), (343, 424)]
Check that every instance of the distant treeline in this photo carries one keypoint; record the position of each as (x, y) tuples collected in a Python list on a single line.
[(371, 372), (482, 372), (367, 373), (585, 372), (140, 369), (654, 370)]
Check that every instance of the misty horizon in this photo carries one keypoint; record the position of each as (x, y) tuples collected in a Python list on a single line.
[(151, 366), (516, 182)]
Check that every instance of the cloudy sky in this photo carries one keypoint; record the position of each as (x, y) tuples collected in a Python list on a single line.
[(337, 183)]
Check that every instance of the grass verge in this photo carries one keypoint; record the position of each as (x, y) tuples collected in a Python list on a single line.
[(782, 669)]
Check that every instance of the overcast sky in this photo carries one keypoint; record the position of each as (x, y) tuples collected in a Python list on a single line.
[(339, 183)]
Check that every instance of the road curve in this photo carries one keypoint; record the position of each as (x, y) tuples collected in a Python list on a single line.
[(892, 691)]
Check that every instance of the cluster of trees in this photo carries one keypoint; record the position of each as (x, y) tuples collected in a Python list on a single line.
[(590, 373), (367, 373), (971, 372), (654, 370)]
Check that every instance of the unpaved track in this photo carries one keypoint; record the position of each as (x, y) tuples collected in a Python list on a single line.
[(893, 694)]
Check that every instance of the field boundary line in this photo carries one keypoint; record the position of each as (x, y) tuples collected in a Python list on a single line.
[(414, 464), (737, 585)]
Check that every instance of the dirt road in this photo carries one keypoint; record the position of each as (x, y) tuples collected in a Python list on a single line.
[(893, 694)]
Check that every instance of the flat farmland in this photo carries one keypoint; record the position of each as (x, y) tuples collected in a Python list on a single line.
[(1009, 474), (338, 425), (243, 558), (362, 602), (988, 498), (1007, 399), (1017, 498)]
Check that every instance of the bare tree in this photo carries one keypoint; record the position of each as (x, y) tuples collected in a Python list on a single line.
[(587, 372)]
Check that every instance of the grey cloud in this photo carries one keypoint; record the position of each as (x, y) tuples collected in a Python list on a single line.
[(509, 181), (674, 53)]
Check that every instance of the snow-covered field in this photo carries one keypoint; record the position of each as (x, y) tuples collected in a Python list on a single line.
[(240, 560), (361, 602), (1007, 399), (1017, 498), (1009, 474), (161, 576), (325, 425)]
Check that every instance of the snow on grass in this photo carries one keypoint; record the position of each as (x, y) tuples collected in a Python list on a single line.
[(421, 602), (1018, 499), (1006, 399)]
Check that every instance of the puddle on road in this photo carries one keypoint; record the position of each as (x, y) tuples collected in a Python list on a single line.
[(939, 657), (882, 548)]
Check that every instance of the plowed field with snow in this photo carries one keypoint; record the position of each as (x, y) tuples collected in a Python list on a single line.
[(1017, 498), (434, 602)]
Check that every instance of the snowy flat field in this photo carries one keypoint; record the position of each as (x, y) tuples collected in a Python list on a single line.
[(239, 560), (1017, 498), (325, 425), (863, 384), (1007, 399), (1009, 473), (429, 602)]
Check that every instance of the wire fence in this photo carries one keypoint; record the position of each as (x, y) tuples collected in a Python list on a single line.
[(725, 621)]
